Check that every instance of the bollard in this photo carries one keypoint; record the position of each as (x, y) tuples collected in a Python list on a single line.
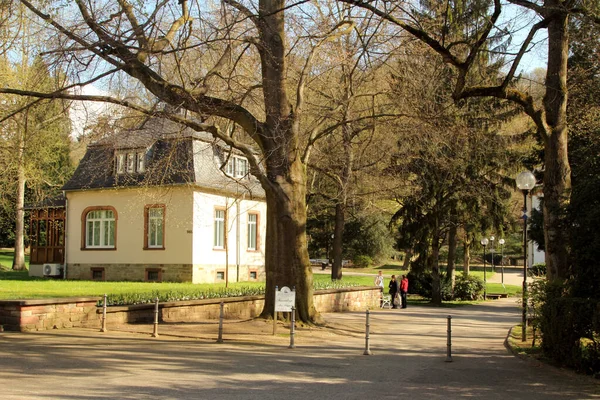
[(103, 329), (220, 338), (367, 348), (449, 344), (155, 332), (292, 328), (275, 312)]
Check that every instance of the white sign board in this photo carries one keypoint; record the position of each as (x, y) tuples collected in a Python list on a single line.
[(285, 299)]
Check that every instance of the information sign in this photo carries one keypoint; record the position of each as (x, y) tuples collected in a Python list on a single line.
[(285, 299)]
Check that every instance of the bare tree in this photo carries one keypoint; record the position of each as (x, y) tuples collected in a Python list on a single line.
[(203, 59), (549, 116)]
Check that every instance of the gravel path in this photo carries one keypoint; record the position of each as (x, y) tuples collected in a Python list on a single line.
[(408, 360)]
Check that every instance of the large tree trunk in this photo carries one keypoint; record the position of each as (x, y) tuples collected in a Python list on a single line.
[(436, 283), (340, 219), (286, 258), (557, 173), (452, 242), (467, 254), (19, 256)]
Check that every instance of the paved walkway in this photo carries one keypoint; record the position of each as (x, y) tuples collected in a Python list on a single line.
[(408, 361)]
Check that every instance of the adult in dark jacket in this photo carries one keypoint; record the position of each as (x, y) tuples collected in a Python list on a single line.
[(393, 286)]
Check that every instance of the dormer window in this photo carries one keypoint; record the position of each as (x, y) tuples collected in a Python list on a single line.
[(131, 162), (120, 163), (237, 167), (141, 162)]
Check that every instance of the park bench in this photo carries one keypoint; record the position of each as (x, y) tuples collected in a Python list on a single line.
[(496, 296)]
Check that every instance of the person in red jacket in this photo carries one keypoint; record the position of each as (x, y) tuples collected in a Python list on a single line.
[(403, 290)]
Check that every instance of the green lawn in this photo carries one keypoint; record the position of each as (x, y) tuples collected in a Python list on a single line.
[(19, 285), (6, 258)]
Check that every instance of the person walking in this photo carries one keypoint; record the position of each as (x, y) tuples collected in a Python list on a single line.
[(393, 286), (379, 283), (403, 290)]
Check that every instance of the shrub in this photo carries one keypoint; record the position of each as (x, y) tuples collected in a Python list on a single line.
[(363, 261), (538, 269), (468, 288), (567, 325)]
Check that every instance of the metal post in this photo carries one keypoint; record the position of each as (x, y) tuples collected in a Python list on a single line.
[(292, 328), (220, 338), (103, 329), (367, 347), (484, 276), (502, 262), (449, 342), (275, 312), (493, 266), (524, 318), (155, 332)]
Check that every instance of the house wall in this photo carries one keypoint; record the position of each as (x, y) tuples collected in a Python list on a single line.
[(129, 259), (209, 260), (189, 253)]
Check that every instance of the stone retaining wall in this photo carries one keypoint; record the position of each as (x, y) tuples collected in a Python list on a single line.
[(30, 315), (43, 314)]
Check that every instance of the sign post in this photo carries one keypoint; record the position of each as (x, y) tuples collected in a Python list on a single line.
[(285, 300)]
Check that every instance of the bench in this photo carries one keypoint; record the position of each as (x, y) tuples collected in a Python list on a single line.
[(496, 296)]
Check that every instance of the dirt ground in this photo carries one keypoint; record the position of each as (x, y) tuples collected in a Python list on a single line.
[(251, 331)]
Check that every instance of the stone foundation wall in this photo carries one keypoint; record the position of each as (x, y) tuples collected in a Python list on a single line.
[(168, 272), (43, 314), (28, 315), (131, 272)]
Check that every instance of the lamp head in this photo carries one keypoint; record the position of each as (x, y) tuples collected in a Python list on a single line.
[(484, 242), (492, 239), (501, 242), (525, 180)]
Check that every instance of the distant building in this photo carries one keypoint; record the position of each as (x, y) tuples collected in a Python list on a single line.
[(534, 256), (152, 204)]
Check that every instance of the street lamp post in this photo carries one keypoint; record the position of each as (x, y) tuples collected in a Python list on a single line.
[(525, 182), (484, 242), (501, 243), (492, 250)]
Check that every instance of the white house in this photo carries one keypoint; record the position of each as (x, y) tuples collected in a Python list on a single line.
[(153, 204)]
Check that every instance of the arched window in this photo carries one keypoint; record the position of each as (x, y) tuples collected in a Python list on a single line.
[(99, 228)]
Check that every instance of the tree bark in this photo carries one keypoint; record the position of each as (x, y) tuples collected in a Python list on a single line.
[(287, 255), (338, 235), (19, 255), (452, 242), (557, 172), (467, 254), (436, 294)]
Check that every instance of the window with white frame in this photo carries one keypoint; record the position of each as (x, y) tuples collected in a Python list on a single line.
[(100, 229), (141, 162), (237, 167), (252, 231), (131, 162), (121, 163), (155, 227), (219, 239)]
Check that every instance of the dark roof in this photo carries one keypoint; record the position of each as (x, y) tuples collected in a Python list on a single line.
[(174, 155)]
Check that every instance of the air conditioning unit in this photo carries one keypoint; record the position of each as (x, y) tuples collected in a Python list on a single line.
[(52, 269)]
